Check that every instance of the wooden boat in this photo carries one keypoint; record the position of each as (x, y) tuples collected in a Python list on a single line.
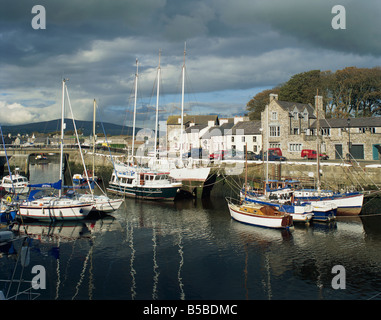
[(259, 215)]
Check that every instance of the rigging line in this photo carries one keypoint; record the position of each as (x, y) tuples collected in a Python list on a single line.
[(76, 134), (352, 158)]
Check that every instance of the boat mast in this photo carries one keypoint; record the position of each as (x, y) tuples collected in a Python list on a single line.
[(317, 142), (135, 98), (62, 134), (182, 104), (94, 119), (246, 172), (267, 147), (157, 104)]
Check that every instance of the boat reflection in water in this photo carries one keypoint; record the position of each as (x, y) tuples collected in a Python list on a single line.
[(193, 249)]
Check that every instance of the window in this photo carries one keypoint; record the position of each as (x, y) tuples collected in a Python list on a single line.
[(274, 131), (296, 130), (274, 115), (325, 132), (295, 147), (243, 139), (232, 138), (254, 139), (274, 145), (362, 130)]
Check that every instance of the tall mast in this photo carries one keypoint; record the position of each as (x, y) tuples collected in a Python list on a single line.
[(245, 171), (157, 104), (135, 98), (267, 147), (62, 134), (182, 104), (317, 141), (94, 119)]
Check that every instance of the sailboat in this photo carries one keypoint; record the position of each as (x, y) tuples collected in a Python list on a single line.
[(348, 203), (282, 199), (55, 207), (134, 181), (259, 214), (177, 169), (101, 203)]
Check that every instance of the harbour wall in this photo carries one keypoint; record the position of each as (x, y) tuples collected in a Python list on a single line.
[(227, 177)]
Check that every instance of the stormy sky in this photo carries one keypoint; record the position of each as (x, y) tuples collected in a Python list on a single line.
[(235, 49)]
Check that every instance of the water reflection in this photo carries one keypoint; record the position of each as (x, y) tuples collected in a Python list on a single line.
[(192, 249)]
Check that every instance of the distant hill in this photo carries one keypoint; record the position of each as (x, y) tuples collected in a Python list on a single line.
[(55, 125)]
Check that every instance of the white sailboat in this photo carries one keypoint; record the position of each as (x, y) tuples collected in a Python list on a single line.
[(260, 215), (55, 207), (349, 203), (101, 203), (281, 199), (181, 172), (147, 183)]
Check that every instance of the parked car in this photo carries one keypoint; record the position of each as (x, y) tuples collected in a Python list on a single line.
[(250, 155), (312, 154), (218, 155), (239, 155), (273, 156), (234, 155), (278, 151), (195, 153)]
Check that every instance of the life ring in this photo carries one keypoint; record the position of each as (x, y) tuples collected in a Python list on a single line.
[(9, 199)]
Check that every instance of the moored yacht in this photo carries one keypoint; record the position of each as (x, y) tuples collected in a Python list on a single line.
[(134, 181)]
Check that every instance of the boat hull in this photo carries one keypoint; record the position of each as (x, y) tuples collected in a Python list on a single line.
[(278, 222), (54, 210), (102, 203), (347, 204), (299, 213), (145, 192), (190, 174)]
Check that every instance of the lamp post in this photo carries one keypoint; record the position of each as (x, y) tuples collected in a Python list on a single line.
[(349, 137)]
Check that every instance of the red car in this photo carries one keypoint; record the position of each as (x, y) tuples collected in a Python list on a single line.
[(312, 154), (218, 155)]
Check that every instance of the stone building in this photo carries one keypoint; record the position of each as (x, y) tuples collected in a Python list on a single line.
[(245, 133), (292, 127), (174, 128)]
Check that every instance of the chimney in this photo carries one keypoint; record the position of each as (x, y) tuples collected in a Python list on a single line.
[(319, 106), (273, 96)]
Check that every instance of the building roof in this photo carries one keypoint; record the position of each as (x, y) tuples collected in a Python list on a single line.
[(290, 106), (249, 127), (198, 127), (215, 131), (196, 119), (354, 123)]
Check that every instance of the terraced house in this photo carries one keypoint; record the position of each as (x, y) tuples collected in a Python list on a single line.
[(293, 127)]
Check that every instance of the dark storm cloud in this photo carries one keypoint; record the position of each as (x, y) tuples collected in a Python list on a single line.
[(231, 45)]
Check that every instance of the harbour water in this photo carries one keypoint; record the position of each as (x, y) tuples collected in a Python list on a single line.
[(193, 250)]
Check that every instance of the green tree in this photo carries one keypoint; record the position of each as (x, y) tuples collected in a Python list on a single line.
[(348, 92), (256, 105), (356, 92)]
